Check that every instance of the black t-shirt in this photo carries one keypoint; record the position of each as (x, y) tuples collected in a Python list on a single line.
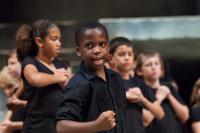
[(195, 114), (87, 96), (170, 123), (42, 102), (134, 120), (18, 116)]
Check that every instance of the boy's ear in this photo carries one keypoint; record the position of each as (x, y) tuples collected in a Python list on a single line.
[(39, 42), (110, 61), (110, 58), (78, 51)]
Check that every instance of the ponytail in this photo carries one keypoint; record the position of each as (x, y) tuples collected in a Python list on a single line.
[(25, 43)]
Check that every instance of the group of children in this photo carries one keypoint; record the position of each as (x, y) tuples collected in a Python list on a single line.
[(126, 96)]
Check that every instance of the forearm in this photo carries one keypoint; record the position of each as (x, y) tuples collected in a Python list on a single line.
[(42, 79), (147, 117), (17, 125), (196, 127), (154, 108), (66, 126), (181, 110), (14, 106), (8, 115)]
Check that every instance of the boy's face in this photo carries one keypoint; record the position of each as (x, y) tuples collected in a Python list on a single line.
[(123, 58), (93, 47), (151, 68)]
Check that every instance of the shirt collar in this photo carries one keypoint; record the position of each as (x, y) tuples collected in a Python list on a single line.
[(86, 71)]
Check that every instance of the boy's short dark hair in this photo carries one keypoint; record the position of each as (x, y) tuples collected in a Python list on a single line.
[(118, 41), (86, 26)]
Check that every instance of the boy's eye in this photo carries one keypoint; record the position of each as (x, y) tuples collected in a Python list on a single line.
[(130, 54), (102, 44), (121, 54), (149, 64), (89, 45)]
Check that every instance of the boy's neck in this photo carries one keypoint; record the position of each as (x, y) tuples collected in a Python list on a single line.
[(101, 73), (153, 84), (125, 74)]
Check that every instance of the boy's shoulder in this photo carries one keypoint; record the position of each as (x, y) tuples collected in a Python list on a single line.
[(166, 83), (77, 80), (114, 77)]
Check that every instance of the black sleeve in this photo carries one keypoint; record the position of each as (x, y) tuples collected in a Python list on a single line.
[(73, 104), (27, 60), (195, 114), (147, 91)]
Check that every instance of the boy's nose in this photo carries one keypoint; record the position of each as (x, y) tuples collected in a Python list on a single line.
[(59, 43), (127, 57), (96, 49)]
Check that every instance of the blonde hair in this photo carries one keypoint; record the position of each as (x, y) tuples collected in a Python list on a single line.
[(6, 79), (195, 97)]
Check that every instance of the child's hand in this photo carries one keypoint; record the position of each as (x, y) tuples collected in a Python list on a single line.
[(63, 76), (6, 127), (134, 95), (13, 103), (162, 92), (106, 121)]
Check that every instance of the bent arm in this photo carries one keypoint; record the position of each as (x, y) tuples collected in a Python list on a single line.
[(39, 79), (181, 110), (67, 126), (154, 108)]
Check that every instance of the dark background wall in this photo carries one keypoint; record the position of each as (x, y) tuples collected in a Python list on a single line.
[(28, 10)]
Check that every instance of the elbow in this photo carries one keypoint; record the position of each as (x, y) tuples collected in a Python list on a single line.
[(34, 80), (160, 115), (160, 112), (146, 124), (59, 127), (185, 115)]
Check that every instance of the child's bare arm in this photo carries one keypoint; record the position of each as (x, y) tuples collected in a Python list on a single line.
[(152, 112), (39, 79), (10, 126), (181, 110), (196, 127), (105, 121), (154, 107), (13, 103)]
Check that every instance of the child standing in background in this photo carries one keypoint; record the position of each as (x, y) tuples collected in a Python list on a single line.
[(94, 99), (13, 120), (149, 66), (138, 96), (37, 46)]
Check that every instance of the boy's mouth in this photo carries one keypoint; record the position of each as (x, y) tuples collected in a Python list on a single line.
[(98, 60)]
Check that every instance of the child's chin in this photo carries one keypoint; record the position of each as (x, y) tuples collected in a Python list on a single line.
[(98, 63)]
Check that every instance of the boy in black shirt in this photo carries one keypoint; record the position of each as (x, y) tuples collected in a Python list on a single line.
[(149, 66), (94, 98), (123, 59)]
